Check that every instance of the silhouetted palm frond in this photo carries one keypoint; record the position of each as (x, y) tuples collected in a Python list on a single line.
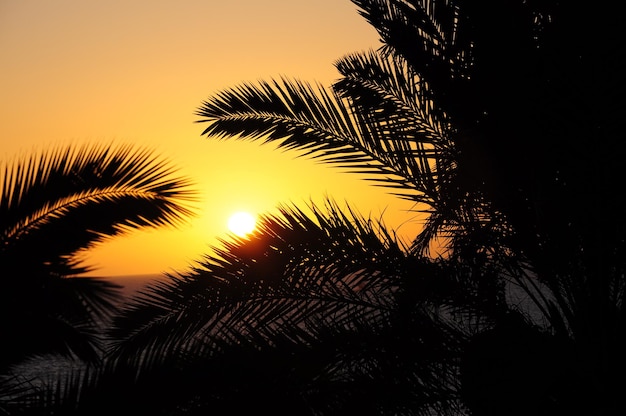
[(392, 103), (82, 196), (425, 32), (16, 394), (325, 126)]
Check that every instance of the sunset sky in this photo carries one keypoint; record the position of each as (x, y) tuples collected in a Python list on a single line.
[(119, 72)]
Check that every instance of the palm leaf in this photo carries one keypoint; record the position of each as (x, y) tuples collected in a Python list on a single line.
[(298, 116), (394, 105), (83, 196), (424, 32)]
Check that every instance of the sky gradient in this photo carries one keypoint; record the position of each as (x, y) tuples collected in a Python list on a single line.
[(135, 72)]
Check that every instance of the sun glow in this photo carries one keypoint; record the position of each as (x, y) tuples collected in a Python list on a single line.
[(241, 223)]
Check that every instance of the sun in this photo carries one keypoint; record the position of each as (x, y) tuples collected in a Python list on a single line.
[(241, 223)]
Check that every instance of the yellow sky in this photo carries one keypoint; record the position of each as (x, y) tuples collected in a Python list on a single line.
[(136, 71)]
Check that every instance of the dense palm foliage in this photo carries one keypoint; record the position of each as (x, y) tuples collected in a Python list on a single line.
[(53, 207), (302, 318), (501, 120)]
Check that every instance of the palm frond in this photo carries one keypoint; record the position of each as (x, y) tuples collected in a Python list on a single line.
[(16, 393), (298, 116), (81, 196), (395, 84), (404, 127), (425, 33)]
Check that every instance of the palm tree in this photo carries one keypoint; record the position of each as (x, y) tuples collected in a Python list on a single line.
[(53, 207), (505, 130)]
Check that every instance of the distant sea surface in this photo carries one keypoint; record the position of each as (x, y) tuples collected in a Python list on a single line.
[(133, 283)]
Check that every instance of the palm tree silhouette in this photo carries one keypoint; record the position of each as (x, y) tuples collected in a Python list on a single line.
[(53, 207), (500, 119)]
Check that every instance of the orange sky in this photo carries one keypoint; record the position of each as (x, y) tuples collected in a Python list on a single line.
[(135, 72)]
